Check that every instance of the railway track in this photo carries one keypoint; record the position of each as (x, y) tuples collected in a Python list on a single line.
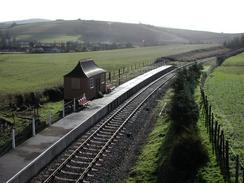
[(82, 160), (87, 153)]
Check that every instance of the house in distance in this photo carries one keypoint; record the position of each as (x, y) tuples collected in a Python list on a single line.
[(85, 79)]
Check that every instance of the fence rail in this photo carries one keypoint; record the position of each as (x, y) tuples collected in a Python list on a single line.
[(36, 124)]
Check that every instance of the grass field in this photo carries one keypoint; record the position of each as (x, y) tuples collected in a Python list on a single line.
[(31, 72), (225, 89)]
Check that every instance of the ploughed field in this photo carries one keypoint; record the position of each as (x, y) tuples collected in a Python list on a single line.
[(20, 73), (225, 89)]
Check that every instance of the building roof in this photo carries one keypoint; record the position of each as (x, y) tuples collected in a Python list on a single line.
[(86, 69)]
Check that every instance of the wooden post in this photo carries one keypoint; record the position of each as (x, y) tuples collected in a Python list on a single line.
[(109, 76), (227, 167), (63, 109), (237, 169), (33, 126), (220, 149), (209, 119), (218, 143), (206, 113), (243, 175), (223, 157), (215, 136), (13, 138), (212, 129), (119, 76), (74, 107)]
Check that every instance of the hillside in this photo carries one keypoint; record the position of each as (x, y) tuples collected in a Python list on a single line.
[(109, 32)]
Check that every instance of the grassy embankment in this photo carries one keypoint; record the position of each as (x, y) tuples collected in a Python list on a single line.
[(156, 148), (225, 91)]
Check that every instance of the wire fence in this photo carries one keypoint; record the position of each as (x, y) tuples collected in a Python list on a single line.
[(232, 168)]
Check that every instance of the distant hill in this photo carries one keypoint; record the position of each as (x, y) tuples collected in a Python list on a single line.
[(108, 32), (27, 21)]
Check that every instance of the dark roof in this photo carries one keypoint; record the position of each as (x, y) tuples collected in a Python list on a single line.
[(85, 68)]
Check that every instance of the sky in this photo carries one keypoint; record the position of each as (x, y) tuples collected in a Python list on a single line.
[(208, 15)]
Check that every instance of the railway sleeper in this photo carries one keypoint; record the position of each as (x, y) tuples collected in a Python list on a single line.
[(79, 162), (83, 158), (68, 172), (61, 179), (99, 138), (113, 124), (97, 142), (103, 135), (86, 153), (74, 167), (94, 145), (82, 153), (90, 149), (107, 130), (111, 127)]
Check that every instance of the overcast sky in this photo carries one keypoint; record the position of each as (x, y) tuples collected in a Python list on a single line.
[(210, 15)]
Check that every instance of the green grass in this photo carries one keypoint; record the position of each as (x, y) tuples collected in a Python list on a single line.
[(225, 89), (31, 72), (147, 163), (52, 108), (211, 172)]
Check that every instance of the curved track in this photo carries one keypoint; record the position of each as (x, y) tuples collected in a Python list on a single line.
[(89, 150), (84, 157)]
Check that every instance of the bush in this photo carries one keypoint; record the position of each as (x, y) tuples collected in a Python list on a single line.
[(54, 94), (186, 152)]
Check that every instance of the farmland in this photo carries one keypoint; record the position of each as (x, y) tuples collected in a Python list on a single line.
[(225, 89), (21, 73)]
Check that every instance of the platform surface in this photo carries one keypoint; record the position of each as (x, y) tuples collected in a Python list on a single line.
[(15, 160)]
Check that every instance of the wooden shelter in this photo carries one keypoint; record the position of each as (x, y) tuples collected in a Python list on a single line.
[(85, 79)]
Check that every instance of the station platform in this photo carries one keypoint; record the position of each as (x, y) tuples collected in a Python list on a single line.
[(21, 163)]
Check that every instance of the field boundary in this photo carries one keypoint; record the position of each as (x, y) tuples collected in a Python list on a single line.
[(232, 168)]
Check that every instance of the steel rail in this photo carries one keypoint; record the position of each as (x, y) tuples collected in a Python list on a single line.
[(67, 160)]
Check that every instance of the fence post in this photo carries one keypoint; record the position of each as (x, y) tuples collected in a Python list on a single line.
[(215, 135), (223, 156), (63, 109), (220, 149), (33, 126), (237, 169), (227, 168), (206, 114), (243, 176), (209, 119), (217, 143), (13, 138), (74, 107), (119, 76), (212, 129)]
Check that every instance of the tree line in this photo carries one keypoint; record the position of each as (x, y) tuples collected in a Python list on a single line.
[(9, 43), (235, 43)]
